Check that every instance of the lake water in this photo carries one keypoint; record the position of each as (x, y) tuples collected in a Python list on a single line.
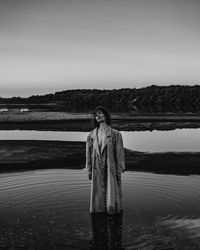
[(155, 141), (49, 209)]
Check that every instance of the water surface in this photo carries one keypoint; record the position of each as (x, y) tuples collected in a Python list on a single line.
[(50, 208), (155, 141)]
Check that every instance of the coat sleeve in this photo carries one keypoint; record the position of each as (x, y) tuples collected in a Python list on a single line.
[(120, 155), (88, 164)]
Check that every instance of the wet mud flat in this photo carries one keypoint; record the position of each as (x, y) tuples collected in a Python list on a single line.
[(62, 121), (30, 154)]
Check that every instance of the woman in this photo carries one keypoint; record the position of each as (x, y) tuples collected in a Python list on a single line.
[(105, 162)]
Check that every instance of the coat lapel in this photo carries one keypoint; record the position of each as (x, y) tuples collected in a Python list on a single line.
[(96, 145)]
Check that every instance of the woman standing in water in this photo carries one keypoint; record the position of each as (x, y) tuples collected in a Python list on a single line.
[(105, 162)]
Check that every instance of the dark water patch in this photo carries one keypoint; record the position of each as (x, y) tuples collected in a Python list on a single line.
[(48, 125)]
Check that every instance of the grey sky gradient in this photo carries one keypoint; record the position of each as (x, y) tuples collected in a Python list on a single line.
[(53, 45)]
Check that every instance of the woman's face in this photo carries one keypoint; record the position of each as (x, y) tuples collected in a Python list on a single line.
[(99, 116)]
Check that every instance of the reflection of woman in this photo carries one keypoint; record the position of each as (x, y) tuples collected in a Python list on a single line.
[(105, 162), (107, 231)]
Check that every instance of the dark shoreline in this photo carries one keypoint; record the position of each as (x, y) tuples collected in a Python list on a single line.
[(17, 155), (86, 125)]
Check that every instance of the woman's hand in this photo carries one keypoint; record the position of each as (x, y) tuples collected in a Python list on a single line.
[(118, 177), (90, 176)]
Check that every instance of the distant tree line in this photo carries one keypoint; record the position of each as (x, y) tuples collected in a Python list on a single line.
[(173, 98)]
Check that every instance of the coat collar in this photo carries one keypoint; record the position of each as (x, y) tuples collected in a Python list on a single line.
[(96, 145)]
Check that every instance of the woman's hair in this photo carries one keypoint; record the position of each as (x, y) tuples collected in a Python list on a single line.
[(105, 112)]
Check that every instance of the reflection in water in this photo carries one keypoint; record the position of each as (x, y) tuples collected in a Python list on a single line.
[(107, 231)]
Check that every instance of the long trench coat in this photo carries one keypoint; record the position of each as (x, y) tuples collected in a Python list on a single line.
[(105, 165)]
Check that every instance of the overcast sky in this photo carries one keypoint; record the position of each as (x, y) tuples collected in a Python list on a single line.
[(54, 45)]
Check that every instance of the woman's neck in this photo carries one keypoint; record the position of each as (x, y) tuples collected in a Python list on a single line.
[(102, 126)]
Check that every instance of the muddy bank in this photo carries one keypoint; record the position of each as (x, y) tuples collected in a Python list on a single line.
[(28, 155), (63, 116), (62, 121)]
